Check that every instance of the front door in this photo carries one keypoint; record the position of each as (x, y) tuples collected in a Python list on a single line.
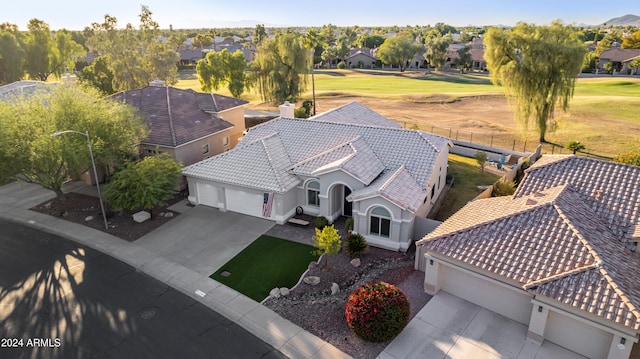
[(348, 206)]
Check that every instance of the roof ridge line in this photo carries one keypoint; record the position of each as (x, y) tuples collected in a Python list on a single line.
[(577, 233), (395, 174), (545, 280), (620, 293), (327, 151), (171, 128)]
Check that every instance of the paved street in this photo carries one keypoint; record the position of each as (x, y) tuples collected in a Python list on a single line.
[(83, 303)]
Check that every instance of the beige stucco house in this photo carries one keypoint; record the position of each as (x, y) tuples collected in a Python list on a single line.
[(349, 161), (558, 256), (189, 125)]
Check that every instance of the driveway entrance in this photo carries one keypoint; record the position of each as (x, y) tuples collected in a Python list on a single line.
[(204, 238)]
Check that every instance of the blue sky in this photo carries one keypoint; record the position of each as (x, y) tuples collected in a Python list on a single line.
[(76, 14)]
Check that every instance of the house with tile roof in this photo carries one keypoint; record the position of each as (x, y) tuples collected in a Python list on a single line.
[(350, 161), (24, 88), (188, 125), (558, 256), (620, 59)]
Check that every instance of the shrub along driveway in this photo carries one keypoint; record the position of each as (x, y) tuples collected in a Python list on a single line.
[(203, 238)]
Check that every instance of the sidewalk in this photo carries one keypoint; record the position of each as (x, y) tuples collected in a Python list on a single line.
[(291, 340)]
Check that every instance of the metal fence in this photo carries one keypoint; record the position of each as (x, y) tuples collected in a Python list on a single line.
[(502, 140)]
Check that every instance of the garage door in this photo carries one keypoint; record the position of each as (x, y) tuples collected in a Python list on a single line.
[(207, 195), (584, 339), (243, 202), (484, 293)]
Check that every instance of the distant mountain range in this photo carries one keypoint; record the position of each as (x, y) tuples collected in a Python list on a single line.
[(626, 20)]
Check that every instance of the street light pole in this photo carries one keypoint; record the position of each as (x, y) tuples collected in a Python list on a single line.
[(95, 172)]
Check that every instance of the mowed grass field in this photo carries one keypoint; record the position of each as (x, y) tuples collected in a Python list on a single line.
[(604, 113)]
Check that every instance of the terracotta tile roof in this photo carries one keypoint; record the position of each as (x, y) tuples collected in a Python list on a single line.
[(262, 164), (551, 243), (176, 116), (611, 189)]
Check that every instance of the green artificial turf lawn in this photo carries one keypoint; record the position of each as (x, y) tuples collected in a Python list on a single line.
[(267, 263)]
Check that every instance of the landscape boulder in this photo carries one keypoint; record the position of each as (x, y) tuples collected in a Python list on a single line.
[(141, 216), (312, 280), (335, 288), (355, 262), (284, 291), (275, 292)]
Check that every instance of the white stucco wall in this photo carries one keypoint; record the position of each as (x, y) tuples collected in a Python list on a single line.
[(513, 303), (577, 336)]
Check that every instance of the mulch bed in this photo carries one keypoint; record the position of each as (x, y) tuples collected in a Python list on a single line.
[(77, 208), (316, 310)]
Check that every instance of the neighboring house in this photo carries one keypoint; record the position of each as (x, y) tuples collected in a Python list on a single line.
[(190, 56), (189, 125), (557, 256), (361, 60), (350, 161), (23, 88), (619, 58), (478, 62)]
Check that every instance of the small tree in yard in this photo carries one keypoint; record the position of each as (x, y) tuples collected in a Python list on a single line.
[(481, 158), (575, 146), (327, 241), (143, 184)]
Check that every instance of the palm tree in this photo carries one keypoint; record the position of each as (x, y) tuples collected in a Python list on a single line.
[(311, 40), (575, 146)]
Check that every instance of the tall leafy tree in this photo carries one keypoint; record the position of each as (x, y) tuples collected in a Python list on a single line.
[(259, 34), (632, 41), (39, 50), (134, 57), (537, 66), (399, 50), (464, 60), (437, 49), (66, 51), (29, 153), (343, 46), (223, 67), (279, 70), (11, 58), (98, 75)]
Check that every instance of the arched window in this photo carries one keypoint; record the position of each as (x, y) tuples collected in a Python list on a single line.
[(313, 193), (380, 222)]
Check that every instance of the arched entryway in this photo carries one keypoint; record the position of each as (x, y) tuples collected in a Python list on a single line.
[(338, 204)]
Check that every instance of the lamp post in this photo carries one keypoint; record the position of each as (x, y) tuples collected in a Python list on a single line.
[(95, 172)]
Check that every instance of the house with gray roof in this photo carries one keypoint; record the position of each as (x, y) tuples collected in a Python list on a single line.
[(188, 125), (350, 161), (559, 256), (620, 59), (24, 88)]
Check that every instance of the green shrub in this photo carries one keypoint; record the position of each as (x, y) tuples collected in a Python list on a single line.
[(348, 224), (300, 112), (321, 222), (503, 188), (342, 65), (377, 311), (356, 245)]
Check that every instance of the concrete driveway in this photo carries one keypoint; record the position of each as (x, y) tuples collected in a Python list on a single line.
[(449, 327), (204, 238)]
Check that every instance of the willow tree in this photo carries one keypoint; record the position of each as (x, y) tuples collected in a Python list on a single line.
[(220, 68), (537, 66), (280, 68)]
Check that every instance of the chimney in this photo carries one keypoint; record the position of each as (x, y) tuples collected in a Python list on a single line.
[(157, 83), (286, 110)]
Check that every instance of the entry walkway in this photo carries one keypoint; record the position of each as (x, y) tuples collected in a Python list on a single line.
[(449, 327)]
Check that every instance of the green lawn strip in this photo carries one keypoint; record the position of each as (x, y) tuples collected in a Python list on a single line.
[(467, 177), (267, 263)]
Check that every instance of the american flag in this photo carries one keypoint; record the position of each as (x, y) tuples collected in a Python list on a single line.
[(267, 204)]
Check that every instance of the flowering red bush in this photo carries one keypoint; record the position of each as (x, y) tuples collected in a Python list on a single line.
[(377, 311)]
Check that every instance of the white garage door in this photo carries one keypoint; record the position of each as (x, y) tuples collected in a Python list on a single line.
[(207, 195), (584, 339), (243, 202), (482, 292)]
